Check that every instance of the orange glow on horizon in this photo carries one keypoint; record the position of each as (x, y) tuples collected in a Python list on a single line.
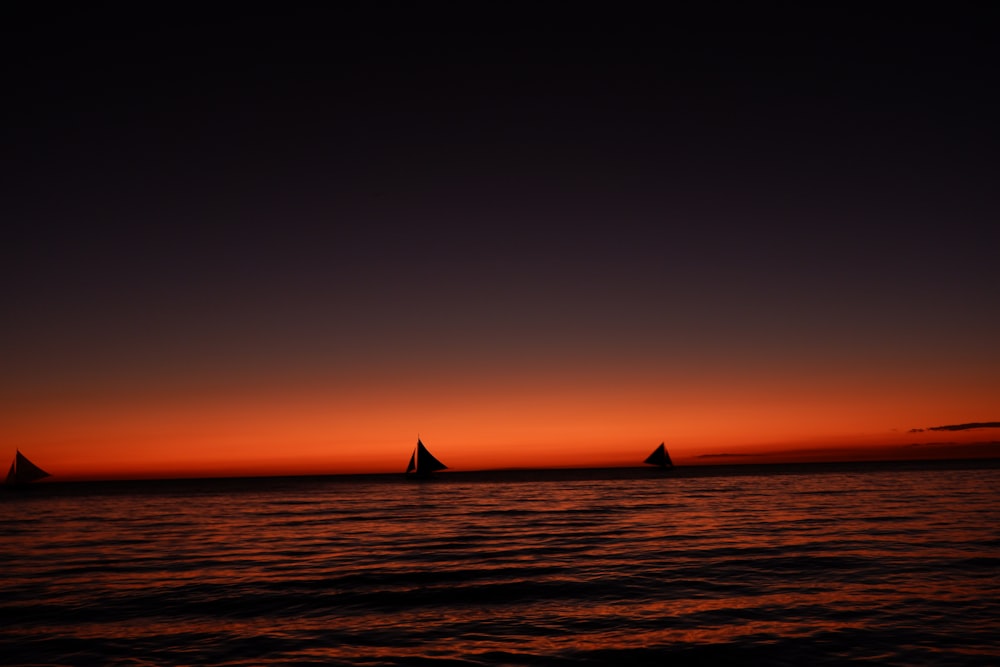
[(546, 425)]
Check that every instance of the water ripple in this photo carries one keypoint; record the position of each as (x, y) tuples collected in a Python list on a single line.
[(896, 567)]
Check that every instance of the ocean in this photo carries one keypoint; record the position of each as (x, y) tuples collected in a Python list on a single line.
[(888, 564)]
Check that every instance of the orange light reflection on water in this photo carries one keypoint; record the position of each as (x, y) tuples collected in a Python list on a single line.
[(348, 569)]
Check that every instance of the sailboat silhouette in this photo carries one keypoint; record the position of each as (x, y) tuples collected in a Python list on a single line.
[(23, 471), (422, 462), (660, 458)]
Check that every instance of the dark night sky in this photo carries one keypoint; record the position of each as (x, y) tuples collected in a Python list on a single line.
[(198, 203)]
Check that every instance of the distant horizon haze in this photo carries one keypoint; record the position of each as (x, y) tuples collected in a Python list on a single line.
[(467, 456)]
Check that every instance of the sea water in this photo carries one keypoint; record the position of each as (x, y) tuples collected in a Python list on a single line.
[(885, 564)]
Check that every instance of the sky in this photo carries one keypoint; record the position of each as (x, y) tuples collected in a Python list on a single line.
[(295, 243)]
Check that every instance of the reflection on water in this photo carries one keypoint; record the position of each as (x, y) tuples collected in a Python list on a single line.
[(825, 565)]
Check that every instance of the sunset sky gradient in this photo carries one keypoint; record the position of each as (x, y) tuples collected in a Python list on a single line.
[(290, 244)]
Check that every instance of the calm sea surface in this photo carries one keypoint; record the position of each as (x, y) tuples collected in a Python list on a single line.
[(885, 564)]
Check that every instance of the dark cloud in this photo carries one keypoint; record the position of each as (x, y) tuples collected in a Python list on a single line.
[(961, 427)]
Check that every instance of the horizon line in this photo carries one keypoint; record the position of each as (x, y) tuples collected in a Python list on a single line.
[(993, 459)]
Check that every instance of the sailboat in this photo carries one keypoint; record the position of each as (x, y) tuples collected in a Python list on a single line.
[(422, 462), (660, 457), (23, 471)]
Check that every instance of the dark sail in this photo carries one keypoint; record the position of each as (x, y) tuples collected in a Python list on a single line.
[(422, 462), (426, 461), (660, 457), (23, 471)]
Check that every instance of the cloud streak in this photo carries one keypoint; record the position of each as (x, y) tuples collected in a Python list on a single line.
[(957, 427)]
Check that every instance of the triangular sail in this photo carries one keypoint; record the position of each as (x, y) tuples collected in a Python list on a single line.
[(426, 461), (23, 471), (660, 457), (422, 462)]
